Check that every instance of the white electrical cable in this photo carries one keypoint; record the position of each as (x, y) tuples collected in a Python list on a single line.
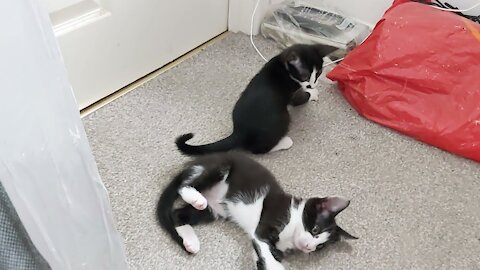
[(333, 62), (457, 10), (251, 32)]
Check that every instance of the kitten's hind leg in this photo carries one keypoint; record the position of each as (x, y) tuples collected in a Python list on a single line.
[(186, 217), (200, 179), (189, 215), (284, 144), (190, 239), (192, 196), (188, 193)]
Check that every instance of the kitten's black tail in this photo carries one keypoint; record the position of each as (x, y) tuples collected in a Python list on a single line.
[(229, 143), (165, 208)]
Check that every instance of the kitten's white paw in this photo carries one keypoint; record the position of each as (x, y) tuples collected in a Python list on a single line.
[(287, 143), (190, 239), (191, 196), (192, 247), (313, 94), (284, 144), (275, 266), (200, 203)]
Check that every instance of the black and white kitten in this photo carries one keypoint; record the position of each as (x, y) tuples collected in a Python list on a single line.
[(260, 116), (232, 186)]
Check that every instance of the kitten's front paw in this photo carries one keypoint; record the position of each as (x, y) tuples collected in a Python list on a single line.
[(313, 94), (276, 266)]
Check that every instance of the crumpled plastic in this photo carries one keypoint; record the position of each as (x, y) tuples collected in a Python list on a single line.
[(313, 22), (419, 73)]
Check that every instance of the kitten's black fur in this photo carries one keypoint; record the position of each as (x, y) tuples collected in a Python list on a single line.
[(260, 116), (246, 179)]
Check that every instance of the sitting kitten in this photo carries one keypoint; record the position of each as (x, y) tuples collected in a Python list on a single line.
[(260, 116), (234, 187)]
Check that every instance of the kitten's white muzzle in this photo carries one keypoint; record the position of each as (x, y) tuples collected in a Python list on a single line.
[(313, 78), (312, 82), (308, 243)]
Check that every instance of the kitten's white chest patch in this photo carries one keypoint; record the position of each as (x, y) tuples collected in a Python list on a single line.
[(246, 216), (285, 243), (286, 236)]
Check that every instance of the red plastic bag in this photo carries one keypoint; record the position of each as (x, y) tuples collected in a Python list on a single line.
[(419, 73)]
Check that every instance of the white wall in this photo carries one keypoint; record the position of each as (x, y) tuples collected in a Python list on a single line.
[(366, 11), (240, 14)]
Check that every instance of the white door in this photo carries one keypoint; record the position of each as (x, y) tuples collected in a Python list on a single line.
[(107, 44)]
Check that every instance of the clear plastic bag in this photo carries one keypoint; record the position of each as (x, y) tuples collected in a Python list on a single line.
[(294, 22)]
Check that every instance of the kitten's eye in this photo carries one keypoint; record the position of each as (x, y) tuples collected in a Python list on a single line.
[(315, 230)]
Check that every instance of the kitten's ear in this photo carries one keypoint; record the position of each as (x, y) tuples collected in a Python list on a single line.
[(325, 50), (292, 60), (332, 206), (345, 234)]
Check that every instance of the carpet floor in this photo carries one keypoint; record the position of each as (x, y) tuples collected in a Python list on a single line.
[(413, 206)]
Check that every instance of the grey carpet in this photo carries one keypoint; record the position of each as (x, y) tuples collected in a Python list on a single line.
[(413, 206)]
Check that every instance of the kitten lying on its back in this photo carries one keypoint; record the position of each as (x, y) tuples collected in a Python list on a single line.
[(233, 186), (260, 116)]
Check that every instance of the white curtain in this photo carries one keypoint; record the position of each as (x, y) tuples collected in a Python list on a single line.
[(46, 165)]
